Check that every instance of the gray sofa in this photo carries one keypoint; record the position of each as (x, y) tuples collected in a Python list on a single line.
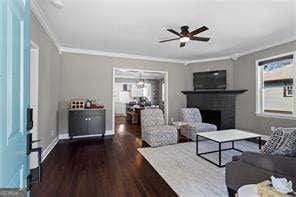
[(253, 168)]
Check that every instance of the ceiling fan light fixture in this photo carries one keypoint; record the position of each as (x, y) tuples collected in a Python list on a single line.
[(185, 35), (184, 39)]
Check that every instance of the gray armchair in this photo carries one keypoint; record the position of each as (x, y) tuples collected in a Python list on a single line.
[(253, 168), (193, 118), (154, 131)]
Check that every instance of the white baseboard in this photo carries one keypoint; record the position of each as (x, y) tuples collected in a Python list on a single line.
[(87, 136), (109, 132), (49, 148), (64, 136)]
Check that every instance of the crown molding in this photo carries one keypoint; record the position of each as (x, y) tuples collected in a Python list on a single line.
[(208, 60), (42, 19), (120, 55), (266, 46), (237, 55), (135, 77), (177, 61)]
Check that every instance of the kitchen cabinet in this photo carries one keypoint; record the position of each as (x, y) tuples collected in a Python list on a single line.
[(137, 92)]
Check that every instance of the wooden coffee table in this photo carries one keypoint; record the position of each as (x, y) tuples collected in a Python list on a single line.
[(224, 136)]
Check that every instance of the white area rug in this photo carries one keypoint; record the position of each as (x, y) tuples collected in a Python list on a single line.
[(189, 175)]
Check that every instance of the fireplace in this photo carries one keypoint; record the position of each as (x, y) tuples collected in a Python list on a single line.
[(211, 116), (216, 106)]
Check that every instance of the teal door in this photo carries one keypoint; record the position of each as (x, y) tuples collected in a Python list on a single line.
[(14, 91)]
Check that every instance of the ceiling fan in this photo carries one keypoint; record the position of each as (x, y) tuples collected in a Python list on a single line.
[(185, 35)]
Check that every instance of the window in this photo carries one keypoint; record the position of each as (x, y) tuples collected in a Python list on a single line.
[(122, 95), (288, 90), (276, 85)]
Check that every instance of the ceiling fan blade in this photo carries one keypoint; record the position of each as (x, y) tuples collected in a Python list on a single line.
[(199, 30), (168, 40), (200, 39), (182, 44), (174, 32)]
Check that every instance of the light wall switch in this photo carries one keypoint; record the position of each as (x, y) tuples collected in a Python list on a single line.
[(52, 132)]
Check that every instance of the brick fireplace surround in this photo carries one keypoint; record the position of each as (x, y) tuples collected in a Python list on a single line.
[(216, 106)]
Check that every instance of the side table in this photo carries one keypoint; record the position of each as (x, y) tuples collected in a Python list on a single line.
[(247, 191), (178, 125)]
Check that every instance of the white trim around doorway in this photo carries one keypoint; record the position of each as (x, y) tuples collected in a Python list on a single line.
[(166, 114), (34, 79)]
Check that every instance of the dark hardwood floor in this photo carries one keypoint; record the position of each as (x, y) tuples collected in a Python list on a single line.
[(91, 167)]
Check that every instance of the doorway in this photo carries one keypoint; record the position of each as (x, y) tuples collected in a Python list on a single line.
[(34, 80), (14, 95), (135, 90)]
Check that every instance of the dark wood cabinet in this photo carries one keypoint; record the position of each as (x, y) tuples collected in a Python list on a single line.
[(86, 122)]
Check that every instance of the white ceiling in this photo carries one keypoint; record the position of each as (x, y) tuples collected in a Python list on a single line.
[(135, 27), (135, 74)]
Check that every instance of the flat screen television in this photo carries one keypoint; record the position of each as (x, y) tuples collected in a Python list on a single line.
[(209, 80)]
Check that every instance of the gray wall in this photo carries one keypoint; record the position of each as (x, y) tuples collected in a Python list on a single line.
[(49, 83), (244, 78), (90, 75), (210, 66)]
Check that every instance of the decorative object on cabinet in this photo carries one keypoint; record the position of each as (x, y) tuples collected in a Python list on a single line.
[(91, 104), (88, 104), (87, 122), (77, 104), (97, 106)]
